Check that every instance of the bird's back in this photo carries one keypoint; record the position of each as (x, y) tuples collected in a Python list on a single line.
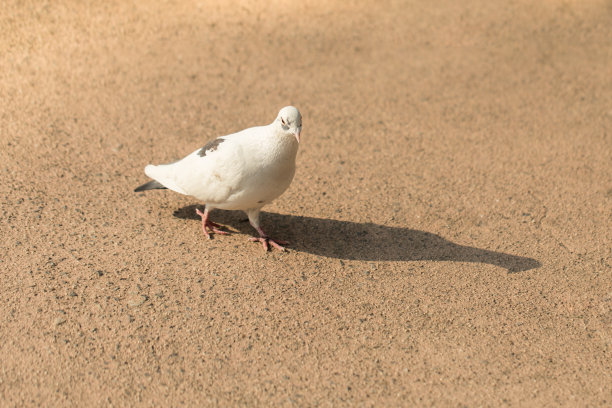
[(240, 171)]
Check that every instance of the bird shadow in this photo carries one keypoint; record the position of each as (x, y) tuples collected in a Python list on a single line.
[(364, 241)]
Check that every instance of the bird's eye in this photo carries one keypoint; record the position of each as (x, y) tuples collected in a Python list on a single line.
[(283, 121)]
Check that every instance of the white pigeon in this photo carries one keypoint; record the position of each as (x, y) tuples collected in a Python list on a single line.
[(242, 171)]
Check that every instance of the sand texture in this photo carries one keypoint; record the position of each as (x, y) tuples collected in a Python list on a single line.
[(450, 220)]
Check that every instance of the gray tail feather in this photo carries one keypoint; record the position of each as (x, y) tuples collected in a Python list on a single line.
[(151, 185)]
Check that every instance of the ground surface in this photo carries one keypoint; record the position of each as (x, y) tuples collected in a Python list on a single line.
[(450, 220)]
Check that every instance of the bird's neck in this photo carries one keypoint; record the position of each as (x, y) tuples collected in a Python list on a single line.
[(286, 146)]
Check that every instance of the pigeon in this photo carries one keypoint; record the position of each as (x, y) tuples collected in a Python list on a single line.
[(241, 171)]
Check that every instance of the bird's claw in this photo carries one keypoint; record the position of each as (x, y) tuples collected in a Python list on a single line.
[(218, 231), (265, 240), (208, 224)]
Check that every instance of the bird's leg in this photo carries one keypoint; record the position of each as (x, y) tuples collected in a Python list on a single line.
[(206, 223), (265, 239)]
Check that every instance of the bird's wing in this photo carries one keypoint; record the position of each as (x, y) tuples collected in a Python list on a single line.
[(215, 171)]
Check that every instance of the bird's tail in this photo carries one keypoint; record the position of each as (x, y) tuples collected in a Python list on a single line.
[(164, 175), (151, 185)]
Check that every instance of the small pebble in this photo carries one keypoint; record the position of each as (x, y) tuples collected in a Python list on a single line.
[(137, 301)]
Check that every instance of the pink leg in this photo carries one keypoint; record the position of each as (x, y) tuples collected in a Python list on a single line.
[(264, 239), (206, 223)]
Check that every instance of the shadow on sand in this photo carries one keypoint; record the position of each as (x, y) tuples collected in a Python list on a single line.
[(366, 242)]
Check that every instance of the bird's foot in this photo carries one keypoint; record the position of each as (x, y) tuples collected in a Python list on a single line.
[(265, 240), (208, 224)]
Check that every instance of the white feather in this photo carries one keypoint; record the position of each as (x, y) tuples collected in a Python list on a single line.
[(245, 171)]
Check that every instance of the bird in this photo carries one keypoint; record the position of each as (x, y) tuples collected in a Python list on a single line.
[(241, 171)]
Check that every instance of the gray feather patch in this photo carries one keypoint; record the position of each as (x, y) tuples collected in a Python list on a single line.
[(151, 185), (210, 147)]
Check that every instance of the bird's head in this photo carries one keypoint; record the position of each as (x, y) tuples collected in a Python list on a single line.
[(290, 121)]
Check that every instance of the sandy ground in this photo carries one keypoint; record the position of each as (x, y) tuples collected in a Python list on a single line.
[(450, 218)]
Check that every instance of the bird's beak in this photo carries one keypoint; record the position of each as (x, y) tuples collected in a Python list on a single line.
[(297, 134)]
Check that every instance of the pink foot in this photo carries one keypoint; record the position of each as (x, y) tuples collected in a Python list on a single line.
[(206, 223), (265, 240)]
